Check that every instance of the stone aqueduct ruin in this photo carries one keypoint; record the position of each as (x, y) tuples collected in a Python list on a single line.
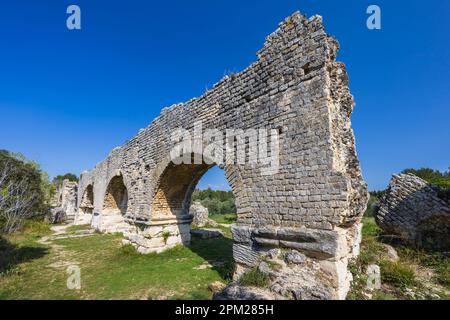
[(312, 204)]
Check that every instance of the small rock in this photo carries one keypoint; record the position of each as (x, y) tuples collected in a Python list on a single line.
[(264, 268), (294, 256), (236, 292), (312, 293), (199, 214), (410, 293), (205, 233), (277, 288), (391, 253), (216, 286), (204, 265), (218, 263), (273, 253)]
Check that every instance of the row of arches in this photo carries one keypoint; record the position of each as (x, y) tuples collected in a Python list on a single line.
[(171, 197), (115, 200)]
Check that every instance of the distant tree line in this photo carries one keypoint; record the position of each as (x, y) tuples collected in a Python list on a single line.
[(217, 201)]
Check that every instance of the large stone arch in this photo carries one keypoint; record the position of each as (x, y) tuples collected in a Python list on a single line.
[(175, 186), (170, 203), (311, 204)]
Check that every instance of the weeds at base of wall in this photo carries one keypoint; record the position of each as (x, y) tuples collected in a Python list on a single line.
[(166, 235), (254, 278)]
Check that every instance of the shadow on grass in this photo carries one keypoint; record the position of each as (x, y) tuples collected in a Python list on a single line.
[(12, 255), (218, 252)]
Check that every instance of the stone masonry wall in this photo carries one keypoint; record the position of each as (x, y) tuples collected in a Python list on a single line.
[(312, 204), (64, 202), (413, 210)]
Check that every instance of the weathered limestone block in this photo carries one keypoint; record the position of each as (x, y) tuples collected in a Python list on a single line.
[(235, 292), (308, 195), (329, 252), (413, 210), (206, 233), (64, 202), (200, 216)]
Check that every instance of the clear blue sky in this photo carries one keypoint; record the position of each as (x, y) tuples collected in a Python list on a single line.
[(68, 97)]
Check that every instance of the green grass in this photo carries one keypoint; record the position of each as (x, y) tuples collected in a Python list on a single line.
[(435, 260), (228, 218), (397, 276), (254, 278), (30, 270), (75, 228), (370, 228), (112, 271)]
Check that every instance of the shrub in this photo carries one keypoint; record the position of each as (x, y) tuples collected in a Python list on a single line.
[(371, 251), (127, 250), (370, 228), (397, 273), (25, 191), (372, 205), (166, 235), (227, 270), (438, 261), (39, 227), (68, 176), (254, 278)]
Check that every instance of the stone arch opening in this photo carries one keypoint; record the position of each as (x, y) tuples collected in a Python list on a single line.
[(176, 185), (87, 200), (116, 197), (170, 210)]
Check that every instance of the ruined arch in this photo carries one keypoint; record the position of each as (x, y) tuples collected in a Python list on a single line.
[(87, 200), (176, 180), (170, 203), (309, 208), (172, 196), (116, 197)]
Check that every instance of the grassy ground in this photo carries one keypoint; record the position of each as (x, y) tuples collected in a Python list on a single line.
[(415, 275), (33, 265), (108, 270), (228, 218)]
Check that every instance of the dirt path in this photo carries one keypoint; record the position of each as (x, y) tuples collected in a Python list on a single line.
[(62, 257)]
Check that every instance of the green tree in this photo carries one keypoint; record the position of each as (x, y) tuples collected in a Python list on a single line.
[(25, 190), (60, 178), (441, 179), (217, 201)]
